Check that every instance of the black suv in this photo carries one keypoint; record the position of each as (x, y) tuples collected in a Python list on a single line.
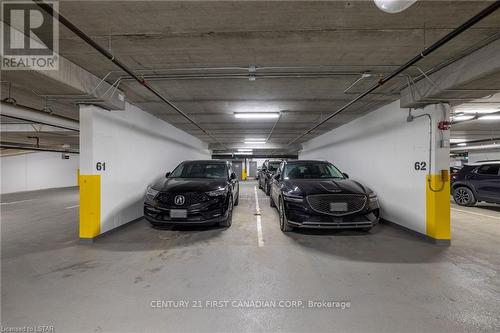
[(315, 194), (196, 192), (477, 182), (266, 173)]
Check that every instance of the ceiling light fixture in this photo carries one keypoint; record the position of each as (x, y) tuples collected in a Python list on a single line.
[(393, 6), (462, 117), (492, 117), (455, 140), (490, 146), (255, 139), (462, 144), (255, 142), (257, 115), (480, 111), (244, 149), (244, 153)]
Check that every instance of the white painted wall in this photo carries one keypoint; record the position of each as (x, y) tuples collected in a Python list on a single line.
[(482, 156), (138, 149), (36, 171), (380, 150)]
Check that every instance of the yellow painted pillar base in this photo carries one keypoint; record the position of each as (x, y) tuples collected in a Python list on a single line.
[(90, 206), (438, 220)]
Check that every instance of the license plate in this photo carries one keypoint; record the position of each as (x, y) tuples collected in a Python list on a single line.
[(178, 213), (338, 206)]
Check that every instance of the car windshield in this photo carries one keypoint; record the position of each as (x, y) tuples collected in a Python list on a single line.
[(273, 166), (311, 170), (200, 170)]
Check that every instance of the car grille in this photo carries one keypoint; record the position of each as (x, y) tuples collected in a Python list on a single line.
[(321, 203), (189, 198)]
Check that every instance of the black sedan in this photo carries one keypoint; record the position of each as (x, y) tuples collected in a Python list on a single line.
[(315, 194), (196, 192)]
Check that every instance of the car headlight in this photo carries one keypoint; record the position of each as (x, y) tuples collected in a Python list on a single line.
[(216, 193), (293, 198), (372, 197), (151, 192)]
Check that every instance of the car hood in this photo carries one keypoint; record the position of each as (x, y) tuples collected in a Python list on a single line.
[(182, 185), (306, 187)]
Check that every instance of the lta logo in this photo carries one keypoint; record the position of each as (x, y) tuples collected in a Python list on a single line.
[(30, 36)]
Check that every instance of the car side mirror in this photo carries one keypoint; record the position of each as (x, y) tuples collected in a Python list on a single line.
[(167, 174), (233, 176), (277, 176), (345, 175)]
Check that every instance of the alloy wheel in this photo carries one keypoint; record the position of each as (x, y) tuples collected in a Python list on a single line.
[(462, 196)]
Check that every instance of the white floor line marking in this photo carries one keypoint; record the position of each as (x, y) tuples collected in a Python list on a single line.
[(259, 221), (479, 214), (15, 202), (72, 207)]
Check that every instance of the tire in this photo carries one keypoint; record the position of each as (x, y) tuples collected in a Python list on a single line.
[(260, 186), (271, 201), (284, 226), (267, 188), (237, 200), (227, 223), (464, 196)]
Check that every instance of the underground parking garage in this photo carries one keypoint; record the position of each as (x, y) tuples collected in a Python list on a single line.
[(304, 166)]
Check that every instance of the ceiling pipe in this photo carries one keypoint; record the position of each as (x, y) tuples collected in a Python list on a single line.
[(120, 64), (448, 37), (48, 149), (274, 126), (24, 113), (475, 141)]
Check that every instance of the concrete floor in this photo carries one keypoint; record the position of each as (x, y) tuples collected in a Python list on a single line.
[(393, 281)]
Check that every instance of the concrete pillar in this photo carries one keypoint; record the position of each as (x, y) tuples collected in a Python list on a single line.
[(89, 179), (438, 221)]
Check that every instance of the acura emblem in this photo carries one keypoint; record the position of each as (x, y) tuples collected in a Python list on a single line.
[(179, 200)]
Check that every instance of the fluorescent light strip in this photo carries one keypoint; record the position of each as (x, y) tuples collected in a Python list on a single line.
[(455, 140), (489, 146), (492, 117), (245, 149), (255, 142), (460, 118), (257, 115)]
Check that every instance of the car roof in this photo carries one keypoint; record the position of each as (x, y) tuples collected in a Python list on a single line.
[(206, 161), (307, 161), (484, 162)]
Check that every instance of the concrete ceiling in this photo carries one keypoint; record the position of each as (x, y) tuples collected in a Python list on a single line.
[(478, 129), (305, 53)]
